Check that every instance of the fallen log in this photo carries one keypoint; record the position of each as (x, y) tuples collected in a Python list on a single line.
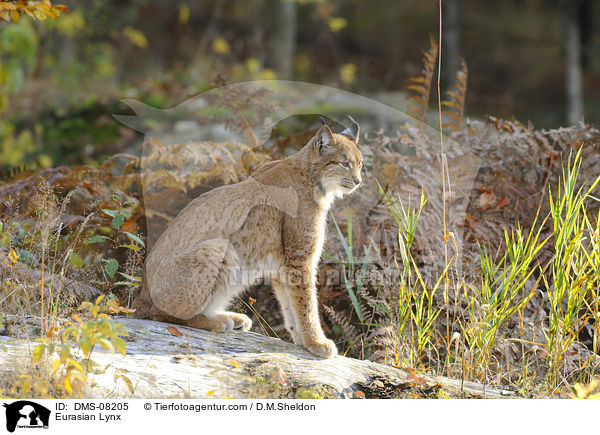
[(182, 362)]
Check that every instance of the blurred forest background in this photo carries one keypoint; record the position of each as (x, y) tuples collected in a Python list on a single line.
[(60, 79)]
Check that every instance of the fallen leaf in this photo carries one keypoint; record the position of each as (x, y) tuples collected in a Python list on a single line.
[(486, 200), (174, 331), (127, 382), (378, 383), (129, 226), (278, 376), (53, 332), (417, 379), (359, 394), (503, 202)]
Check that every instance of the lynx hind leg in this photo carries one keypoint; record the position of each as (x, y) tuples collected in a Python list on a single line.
[(194, 282)]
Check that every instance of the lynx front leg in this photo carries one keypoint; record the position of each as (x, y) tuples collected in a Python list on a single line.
[(302, 295), (291, 323)]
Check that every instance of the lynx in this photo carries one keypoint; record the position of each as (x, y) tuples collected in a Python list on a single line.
[(271, 225)]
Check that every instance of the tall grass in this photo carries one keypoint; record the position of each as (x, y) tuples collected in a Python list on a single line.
[(500, 294), (574, 266), (416, 313), (570, 280)]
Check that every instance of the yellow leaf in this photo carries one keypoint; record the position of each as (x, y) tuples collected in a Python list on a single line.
[(38, 352), (267, 74), (55, 365), (136, 36), (68, 387), (221, 46), (302, 64), (184, 14), (7, 6), (41, 387), (210, 393), (337, 23), (234, 364), (15, 16), (127, 382), (25, 386), (253, 65), (40, 14), (13, 256), (348, 73)]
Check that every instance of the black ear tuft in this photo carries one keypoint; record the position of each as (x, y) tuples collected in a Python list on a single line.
[(324, 139), (322, 120), (353, 131)]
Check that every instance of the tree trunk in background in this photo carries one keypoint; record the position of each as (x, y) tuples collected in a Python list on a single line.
[(574, 73), (284, 39), (450, 42)]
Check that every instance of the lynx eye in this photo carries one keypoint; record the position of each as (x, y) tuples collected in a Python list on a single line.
[(360, 165), (345, 165)]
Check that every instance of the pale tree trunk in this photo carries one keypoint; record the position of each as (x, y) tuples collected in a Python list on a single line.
[(450, 42), (284, 39), (574, 73)]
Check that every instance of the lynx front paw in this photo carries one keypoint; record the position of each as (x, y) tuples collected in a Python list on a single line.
[(325, 348)]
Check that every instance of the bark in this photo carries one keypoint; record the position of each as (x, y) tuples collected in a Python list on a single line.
[(284, 39), (450, 42), (574, 70)]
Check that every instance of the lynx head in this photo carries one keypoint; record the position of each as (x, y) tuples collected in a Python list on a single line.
[(337, 162)]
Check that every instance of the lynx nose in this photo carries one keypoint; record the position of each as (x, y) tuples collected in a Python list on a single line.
[(357, 179)]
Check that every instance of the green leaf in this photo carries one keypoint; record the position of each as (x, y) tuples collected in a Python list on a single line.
[(132, 247), (27, 257), (130, 277), (111, 267), (111, 213), (353, 297), (126, 283), (119, 345), (135, 238), (76, 260), (96, 239), (118, 221), (85, 345)]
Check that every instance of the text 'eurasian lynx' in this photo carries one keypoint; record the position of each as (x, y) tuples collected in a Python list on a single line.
[(270, 226)]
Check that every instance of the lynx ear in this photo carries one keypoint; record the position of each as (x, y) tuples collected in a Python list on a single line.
[(324, 139), (352, 131)]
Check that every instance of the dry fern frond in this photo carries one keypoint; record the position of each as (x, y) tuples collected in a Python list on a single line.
[(455, 104), (348, 329), (421, 85)]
